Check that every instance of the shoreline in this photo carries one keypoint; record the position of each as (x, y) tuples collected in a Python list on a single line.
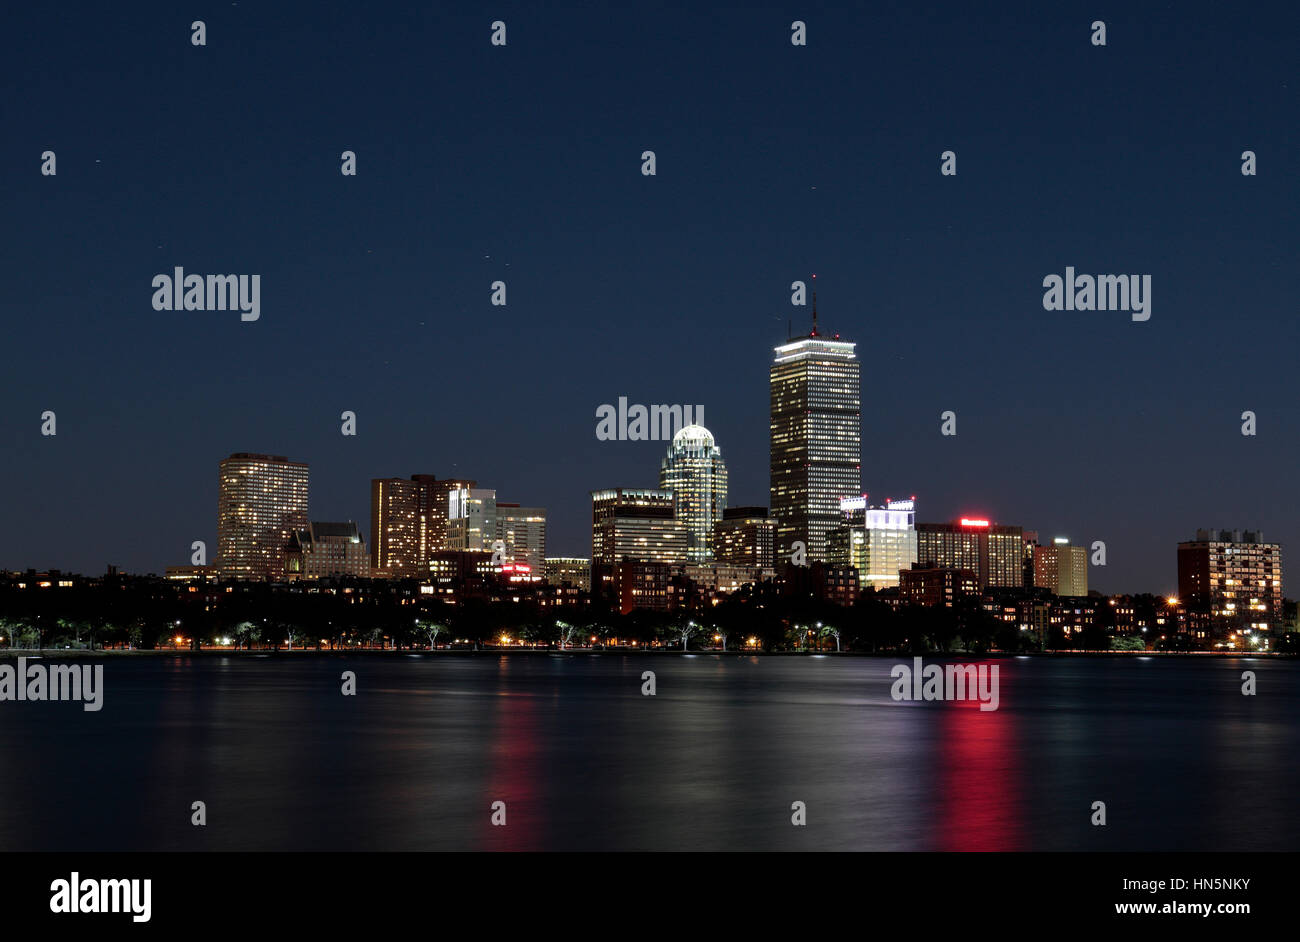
[(14, 653)]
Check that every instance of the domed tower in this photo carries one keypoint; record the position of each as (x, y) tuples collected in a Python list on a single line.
[(694, 471)]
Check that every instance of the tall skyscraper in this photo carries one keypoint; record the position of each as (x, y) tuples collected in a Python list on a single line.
[(694, 471), (408, 522), (434, 506), (816, 439), (395, 527), (261, 502), (1230, 582)]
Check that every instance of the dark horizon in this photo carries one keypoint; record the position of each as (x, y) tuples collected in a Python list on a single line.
[(522, 163)]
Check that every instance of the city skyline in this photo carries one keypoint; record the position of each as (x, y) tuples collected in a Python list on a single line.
[(707, 428), (413, 518), (995, 554), (772, 162)]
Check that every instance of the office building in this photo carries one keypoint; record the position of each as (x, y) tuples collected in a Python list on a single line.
[(434, 507), (879, 542), (454, 575), (1062, 569), (261, 502), (522, 531), (395, 527), (569, 570), (694, 471), (746, 536), (635, 523), (996, 554), (408, 522), (816, 439), (471, 519)]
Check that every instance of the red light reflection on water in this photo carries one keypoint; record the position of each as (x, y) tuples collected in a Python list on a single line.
[(513, 772), (978, 771)]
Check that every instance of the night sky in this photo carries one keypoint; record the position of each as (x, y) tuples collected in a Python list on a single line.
[(523, 163)]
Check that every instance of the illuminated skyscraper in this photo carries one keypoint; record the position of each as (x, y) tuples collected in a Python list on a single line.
[(879, 542), (694, 471), (395, 527), (434, 506), (408, 522), (816, 439), (261, 503)]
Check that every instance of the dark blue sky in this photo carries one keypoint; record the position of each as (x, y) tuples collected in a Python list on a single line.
[(522, 163)]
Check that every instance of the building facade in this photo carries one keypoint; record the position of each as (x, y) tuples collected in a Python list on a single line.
[(994, 553), (1062, 569), (816, 439), (471, 519), (395, 527), (641, 583), (1230, 584), (694, 471), (746, 536), (408, 522), (522, 530), (261, 502), (454, 575), (635, 523), (327, 550), (434, 508), (569, 570), (879, 542), (936, 585)]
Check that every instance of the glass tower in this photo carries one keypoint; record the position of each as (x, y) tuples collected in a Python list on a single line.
[(816, 439), (879, 542), (694, 471)]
